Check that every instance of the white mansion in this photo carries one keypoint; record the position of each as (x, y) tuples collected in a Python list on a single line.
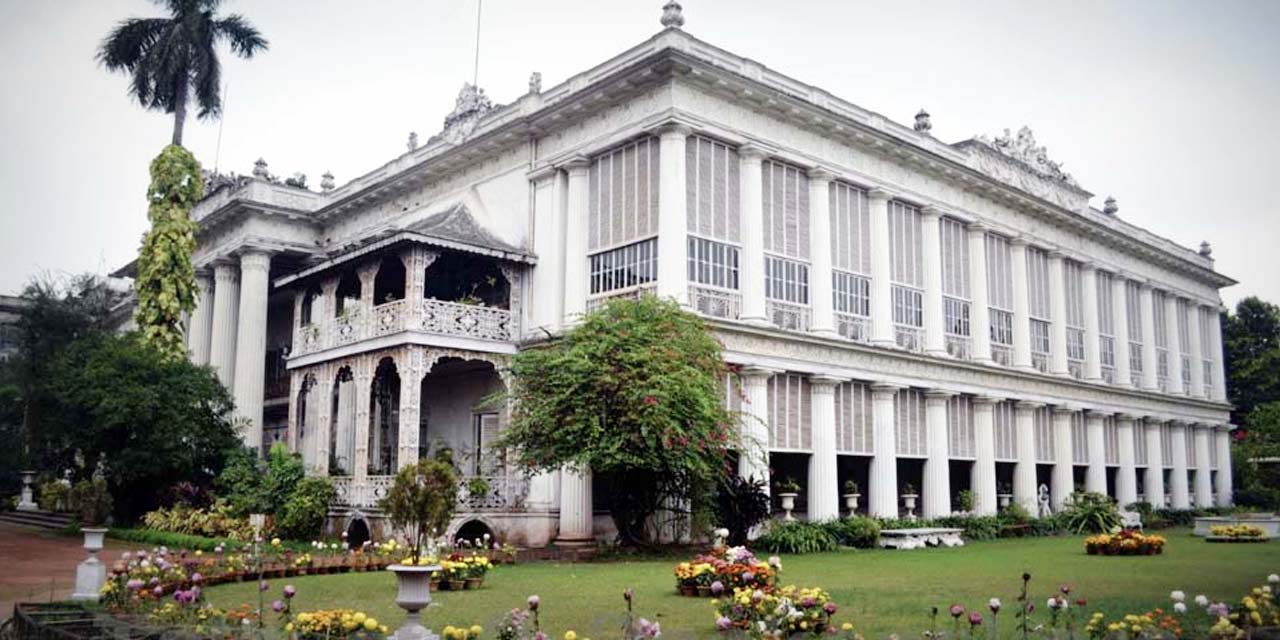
[(906, 314)]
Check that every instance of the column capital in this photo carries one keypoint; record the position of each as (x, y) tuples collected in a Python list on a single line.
[(1056, 254), (673, 130), (825, 382), (544, 172), (1087, 265), (881, 193), (1100, 413), (1128, 417), (986, 400), (1029, 405), (253, 258), (977, 227), (821, 174), (576, 165), (890, 388), (1225, 428), (1018, 241), (932, 211), (757, 372), (939, 394), (753, 151), (1065, 409)]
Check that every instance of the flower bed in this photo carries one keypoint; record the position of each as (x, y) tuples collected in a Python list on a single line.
[(1125, 543), (461, 571), (723, 570), (1236, 533), (787, 612)]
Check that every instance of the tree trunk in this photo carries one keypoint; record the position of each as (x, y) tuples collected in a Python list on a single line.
[(179, 118)]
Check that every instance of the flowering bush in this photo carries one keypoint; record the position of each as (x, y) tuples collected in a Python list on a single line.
[(788, 612), (1124, 543), (725, 569), (1236, 531), (333, 623)]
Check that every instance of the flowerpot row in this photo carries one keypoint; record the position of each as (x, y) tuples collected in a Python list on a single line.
[(457, 585), (694, 591)]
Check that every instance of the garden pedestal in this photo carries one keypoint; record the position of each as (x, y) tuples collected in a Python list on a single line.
[(92, 573), (27, 502), (414, 595)]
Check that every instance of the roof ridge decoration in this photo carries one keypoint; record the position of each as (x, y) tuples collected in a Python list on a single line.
[(457, 224), (1023, 148), (1018, 161), (470, 106)]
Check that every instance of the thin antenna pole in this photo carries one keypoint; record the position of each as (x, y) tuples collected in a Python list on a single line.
[(475, 74), (217, 153)]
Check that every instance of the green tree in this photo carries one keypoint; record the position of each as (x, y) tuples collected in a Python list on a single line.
[(635, 393), (166, 282), (1251, 345), (142, 419), (175, 59)]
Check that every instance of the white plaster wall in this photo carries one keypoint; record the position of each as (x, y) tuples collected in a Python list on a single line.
[(449, 402)]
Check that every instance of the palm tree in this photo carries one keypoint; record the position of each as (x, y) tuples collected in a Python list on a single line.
[(171, 59)]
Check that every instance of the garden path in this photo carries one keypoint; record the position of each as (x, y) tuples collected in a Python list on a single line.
[(38, 565)]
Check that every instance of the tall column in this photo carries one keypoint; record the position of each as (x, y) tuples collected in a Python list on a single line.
[(226, 303), (1174, 342), (1204, 471), (1154, 480), (575, 506), (1021, 306), (1178, 481), (824, 481), (753, 459), (983, 479), (251, 342), (410, 368), (322, 396), (546, 310), (980, 306), (1127, 475), (931, 259), (882, 501), (820, 297), (1062, 482), (1092, 345), (1120, 325), (751, 192), (361, 392), (1226, 495), (575, 240), (937, 470), (1095, 479), (673, 214), (881, 285), (1024, 471), (1058, 316), (1197, 350), (1150, 380), (1215, 347), (199, 330)]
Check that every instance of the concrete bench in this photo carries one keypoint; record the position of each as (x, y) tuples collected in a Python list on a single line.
[(920, 538)]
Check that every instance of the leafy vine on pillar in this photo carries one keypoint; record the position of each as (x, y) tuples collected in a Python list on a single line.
[(166, 278)]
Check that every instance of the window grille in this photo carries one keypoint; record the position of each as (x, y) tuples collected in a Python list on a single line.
[(851, 260), (1038, 297), (1042, 420), (711, 188), (1073, 285), (1006, 432), (1166, 445), (908, 411), (852, 304), (907, 274), (1106, 327), (1140, 443), (787, 292), (1133, 317), (627, 267), (1111, 440), (855, 432), (960, 427), (789, 412), (713, 274), (786, 210), (955, 286), (1206, 348), (1079, 439), (1000, 297), (623, 199), (1160, 326)]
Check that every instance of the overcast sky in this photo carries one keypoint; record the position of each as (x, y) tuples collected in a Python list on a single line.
[(1172, 107)]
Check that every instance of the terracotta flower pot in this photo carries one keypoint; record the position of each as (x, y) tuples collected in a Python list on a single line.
[(704, 591), (457, 585), (688, 590), (473, 583)]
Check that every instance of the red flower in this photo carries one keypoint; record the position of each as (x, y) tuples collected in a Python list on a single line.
[(650, 400)]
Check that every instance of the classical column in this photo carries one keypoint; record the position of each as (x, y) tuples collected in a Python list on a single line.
[(575, 506), (1215, 346), (1127, 475), (251, 342), (1154, 480), (368, 274), (673, 214), (937, 470), (416, 259), (751, 192), (753, 459), (1092, 344), (822, 321), (979, 307), (882, 501), (1197, 350), (226, 302), (1095, 479), (1062, 482), (410, 368), (881, 285), (824, 481), (931, 259), (1021, 308), (294, 417), (199, 330), (1146, 308), (983, 479), (1058, 316), (1178, 480), (323, 397), (1173, 340), (1222, 436), (1120, 327), (361, 394), (1024, 471), (549, 186), (575, 240), (1204, 471)]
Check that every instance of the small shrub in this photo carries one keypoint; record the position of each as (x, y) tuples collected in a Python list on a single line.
[(797, 537), (174, 540), (857, 531), (422, 501), (1090, 512), (91, 502), (975, 527), (54, 496), (740, 505), (215, 522), (303, 514)]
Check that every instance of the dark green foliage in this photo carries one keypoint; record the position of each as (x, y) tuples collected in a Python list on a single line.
[(174, 540), (166, 281), (302, 517), (740, 505), (1090, 513), (1251, 344), (422, 501), (858, 531), (277, 486), (975, 527), (1013, 521), (797, 537), (635, 393)]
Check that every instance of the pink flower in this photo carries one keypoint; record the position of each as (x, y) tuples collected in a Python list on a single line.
[(533, 603), (289, 591), (975, 618), (957, 611), (263, 586), (830, 608), (277, 606), (724, 624)]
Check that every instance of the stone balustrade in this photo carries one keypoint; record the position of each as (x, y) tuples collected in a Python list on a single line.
[(437, 317)]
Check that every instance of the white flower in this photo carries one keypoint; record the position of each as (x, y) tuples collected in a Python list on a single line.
[(1273, 578), (722, 533), (1178, 596), (775, 562), (994, 603), (1202, 601), (1266, 588), (1052, 603), (1179, 607)]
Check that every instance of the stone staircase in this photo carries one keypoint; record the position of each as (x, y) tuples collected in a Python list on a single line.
[(38, 519)]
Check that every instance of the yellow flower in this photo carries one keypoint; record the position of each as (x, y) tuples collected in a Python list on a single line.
[(846, 626), (570, 635), (370, 624), (476, 630), (288, 627), (275, 542), (449, 631)]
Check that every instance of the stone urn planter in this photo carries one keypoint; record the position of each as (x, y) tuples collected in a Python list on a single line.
[(788, 504), (1005, 499), (909, 501), (27, 502), (413, 595), (92, 573), (851, 502)]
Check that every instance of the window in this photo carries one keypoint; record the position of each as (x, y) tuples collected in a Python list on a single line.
[(1111, 441), (1206, 347), (1139, 443), (486, 460), (1106, 327), (1079, 439), (1166, 445), (1133, 316), (623, 205), (1184, 342), (1073, 285), (906, 272), (626, 267), (1042, 423), (1038, 297), (851, 260), (714, 215), (1160, 326), (1006, 432), (786, 244), (713, 263), (960, 436), (789, 412), (852, 294), (855, 432), (1000, 297), (955, 286), (1189, 433), (908, 413)]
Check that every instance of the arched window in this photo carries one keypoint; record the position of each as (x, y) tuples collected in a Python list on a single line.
[(388, 285), (348, 297), (384, 414)]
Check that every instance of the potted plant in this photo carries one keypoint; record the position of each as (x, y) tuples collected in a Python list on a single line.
[(477, 490), (788, 489), (92, 504), (851, 496), (420, 502), (1004, 495), (909, 497)]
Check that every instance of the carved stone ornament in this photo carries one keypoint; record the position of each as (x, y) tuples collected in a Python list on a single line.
[(471, 105), (1023, 148), (413, 141), (214, 181), (1205, 249), (535, 82), (672, 15), (923, 124), (1110, 207), (260, 169), (326, 181)]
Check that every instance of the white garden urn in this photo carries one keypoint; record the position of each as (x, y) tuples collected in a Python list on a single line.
[(27, 501), (92, 572), (788, 505), (1005, 499), (851, 502), (414, 594), (909, 500)]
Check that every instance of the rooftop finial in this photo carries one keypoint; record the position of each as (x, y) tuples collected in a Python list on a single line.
[(535, 82), (413, 140), (923, 124), (1110, 207), (260, 169), (672, 15), (326, 181), (1205, 249)]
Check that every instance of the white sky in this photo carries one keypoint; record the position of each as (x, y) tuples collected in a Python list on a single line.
[(1170, 106)]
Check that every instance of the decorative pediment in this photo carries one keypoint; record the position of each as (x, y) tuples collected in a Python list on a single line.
[(458, 225), (1023, 148), (1018, 161), (470, 106)]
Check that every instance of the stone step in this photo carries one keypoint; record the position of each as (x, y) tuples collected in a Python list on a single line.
[(41, 519)]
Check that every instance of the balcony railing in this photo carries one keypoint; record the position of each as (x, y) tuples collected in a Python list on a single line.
[(361, 492), (1002, 354), (1109, 375), (500, 493), (908, 337), (855, 328), (788, 315), (466, 320), (432, 316), (715, 302), (1040, 361), (959, 347)]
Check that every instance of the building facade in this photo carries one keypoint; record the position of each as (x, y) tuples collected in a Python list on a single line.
[(916, 317)]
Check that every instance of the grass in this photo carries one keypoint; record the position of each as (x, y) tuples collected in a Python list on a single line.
[(879, 591)]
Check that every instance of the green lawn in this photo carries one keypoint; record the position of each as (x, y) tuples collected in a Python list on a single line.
[(879, 591)]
